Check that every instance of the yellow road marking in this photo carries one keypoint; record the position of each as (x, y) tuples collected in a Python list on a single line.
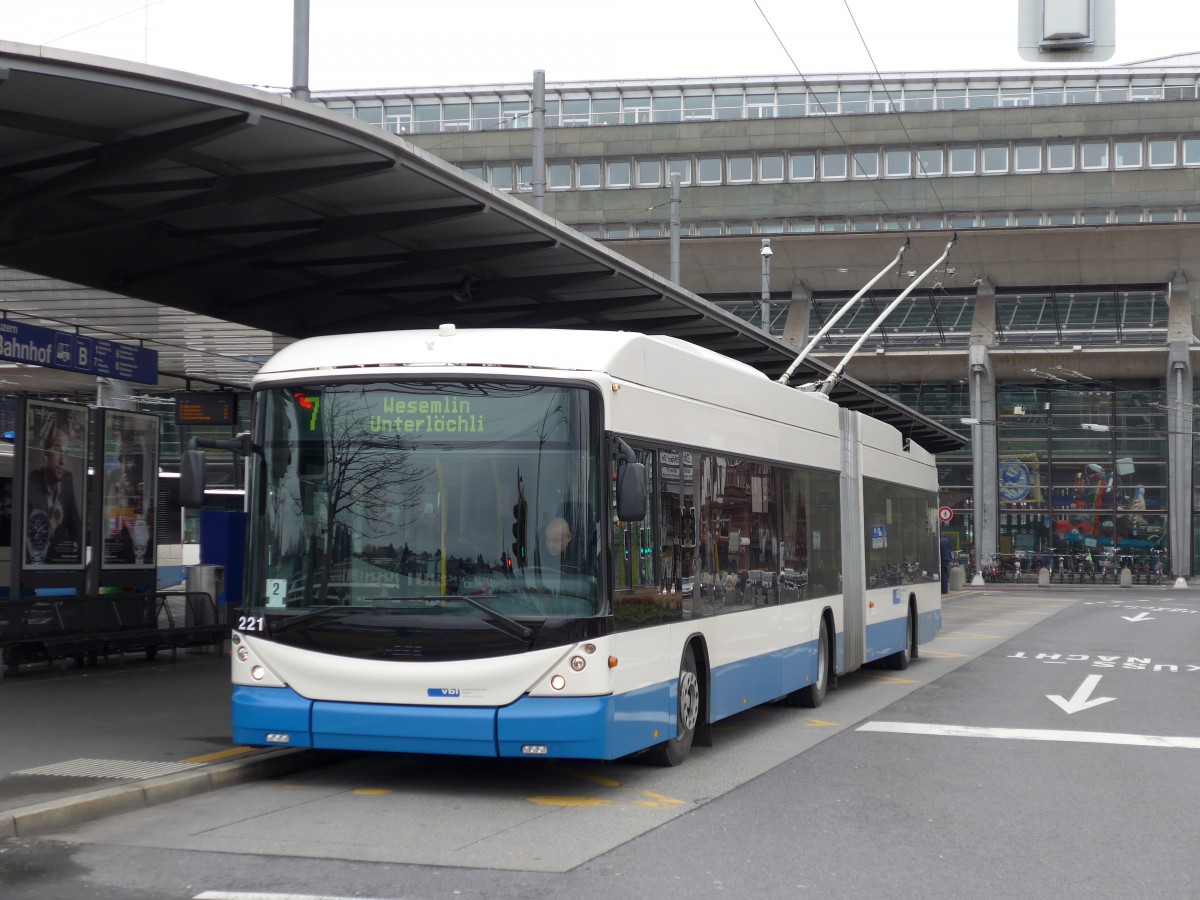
[(587, 776), (570, 801), (998, 622), (653, 800), (661, 799), (957, 635), (947, 637), (888, 679), (371, 792), (927, 652), (820, 723), (220, 754)]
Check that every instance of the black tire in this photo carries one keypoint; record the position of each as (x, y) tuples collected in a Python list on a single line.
[(899, 660), (674, 751), (813, 695)]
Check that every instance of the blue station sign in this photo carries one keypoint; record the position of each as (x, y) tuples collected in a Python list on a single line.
[(37, 346)]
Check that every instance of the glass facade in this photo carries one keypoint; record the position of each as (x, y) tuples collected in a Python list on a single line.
[(1082, 472)]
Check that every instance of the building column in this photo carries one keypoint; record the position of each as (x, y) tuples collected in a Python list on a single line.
[(1180, 423), (795, 326), (985, 466)]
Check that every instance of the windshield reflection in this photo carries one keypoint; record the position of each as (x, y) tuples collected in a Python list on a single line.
[(380, 492)]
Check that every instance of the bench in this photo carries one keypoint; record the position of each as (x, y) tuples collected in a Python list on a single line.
[(85, 628)]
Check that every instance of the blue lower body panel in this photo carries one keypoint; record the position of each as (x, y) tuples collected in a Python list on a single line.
[(748, 682), (605, 727), (457, 731), (928, 625), (259, 711), (568, 727), (886, 638), (588, 727)]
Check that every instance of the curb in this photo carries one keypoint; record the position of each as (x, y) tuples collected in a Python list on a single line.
[(54, 815)]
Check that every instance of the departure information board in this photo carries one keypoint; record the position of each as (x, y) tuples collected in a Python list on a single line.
[(206, 409)]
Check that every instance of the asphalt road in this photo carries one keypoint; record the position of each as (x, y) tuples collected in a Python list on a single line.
[(1044, 745)]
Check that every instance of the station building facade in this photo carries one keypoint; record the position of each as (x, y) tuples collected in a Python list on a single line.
[(1060, 335)]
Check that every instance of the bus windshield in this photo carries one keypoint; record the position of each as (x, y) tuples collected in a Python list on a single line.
[(393, 495)]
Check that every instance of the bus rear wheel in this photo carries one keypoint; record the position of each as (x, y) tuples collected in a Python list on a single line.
[(813, 695), (674, 751)]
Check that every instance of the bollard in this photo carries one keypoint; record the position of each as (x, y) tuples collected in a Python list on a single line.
[(1126, 577), (1043, 577), (958, 578)]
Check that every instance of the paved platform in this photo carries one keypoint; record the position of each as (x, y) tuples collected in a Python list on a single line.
[(80, 743), (128, 733)]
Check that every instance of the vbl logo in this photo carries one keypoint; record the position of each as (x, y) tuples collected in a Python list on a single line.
[(444, 692)]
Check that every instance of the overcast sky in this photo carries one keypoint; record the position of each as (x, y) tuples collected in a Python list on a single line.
[(410, 43)]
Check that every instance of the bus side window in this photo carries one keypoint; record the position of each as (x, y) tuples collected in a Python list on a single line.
[(636, 592)]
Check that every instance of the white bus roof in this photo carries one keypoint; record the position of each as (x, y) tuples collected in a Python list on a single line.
[(621, 354), (657, 362)]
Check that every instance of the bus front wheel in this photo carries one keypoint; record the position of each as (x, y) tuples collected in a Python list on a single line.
[(674, 751)]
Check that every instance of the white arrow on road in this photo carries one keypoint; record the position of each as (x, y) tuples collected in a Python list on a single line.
[(1140, 617), (1079, 700)]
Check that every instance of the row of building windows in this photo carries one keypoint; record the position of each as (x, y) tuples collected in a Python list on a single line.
[(1018, 158), (931, 222), (409, 114)]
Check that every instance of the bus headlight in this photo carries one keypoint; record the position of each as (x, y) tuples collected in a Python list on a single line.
[(243, 654), (258, 673), (577, 663), (558, 682)]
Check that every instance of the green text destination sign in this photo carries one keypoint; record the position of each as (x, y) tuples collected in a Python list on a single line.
[(434, 415)]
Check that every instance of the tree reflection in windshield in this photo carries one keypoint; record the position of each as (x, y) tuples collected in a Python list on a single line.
[(412, 490)]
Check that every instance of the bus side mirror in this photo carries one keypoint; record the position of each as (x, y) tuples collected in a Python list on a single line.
[(192, 472), (631, 491)]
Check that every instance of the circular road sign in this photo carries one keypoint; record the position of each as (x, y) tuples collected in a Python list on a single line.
[(945, 514)]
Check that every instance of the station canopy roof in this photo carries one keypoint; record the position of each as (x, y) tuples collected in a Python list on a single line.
[(263, 214)]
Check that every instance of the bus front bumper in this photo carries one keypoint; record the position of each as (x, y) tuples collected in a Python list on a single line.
[(556, 727)]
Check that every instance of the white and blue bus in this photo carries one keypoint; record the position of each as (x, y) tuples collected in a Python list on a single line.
[(545, 543)]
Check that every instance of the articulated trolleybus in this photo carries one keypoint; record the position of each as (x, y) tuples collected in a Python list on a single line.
[(533, 543)]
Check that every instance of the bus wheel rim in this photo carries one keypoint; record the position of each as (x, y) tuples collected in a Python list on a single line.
[(689, 700)]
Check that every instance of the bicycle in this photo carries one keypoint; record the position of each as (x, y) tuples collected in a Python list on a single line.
[(1060, 568), (1155, 565)]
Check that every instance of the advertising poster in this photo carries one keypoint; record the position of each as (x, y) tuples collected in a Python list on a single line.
[(130, 469), (55, 467)]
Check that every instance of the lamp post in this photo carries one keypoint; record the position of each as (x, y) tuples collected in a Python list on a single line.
[(765, 297), (300, 50)]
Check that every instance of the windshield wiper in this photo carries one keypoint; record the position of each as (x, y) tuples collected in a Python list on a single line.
[(501, 621), (330, 614), (311, 618)]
